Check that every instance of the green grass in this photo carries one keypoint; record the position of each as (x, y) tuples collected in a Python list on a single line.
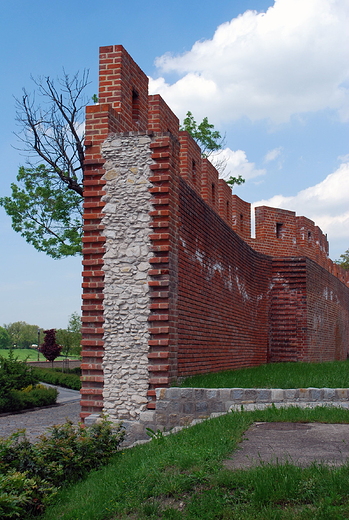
[(27, 354), (182, 477), (23, 354), (334, 374)]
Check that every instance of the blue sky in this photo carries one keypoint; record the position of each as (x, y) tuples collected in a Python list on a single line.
[(272, 76)]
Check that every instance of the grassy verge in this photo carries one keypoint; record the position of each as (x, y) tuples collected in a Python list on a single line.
[(182, 477), (334, 374)]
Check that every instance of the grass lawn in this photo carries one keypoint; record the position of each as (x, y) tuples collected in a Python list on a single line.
[(23, 354), (27, 354), (334, 374), (182, 477)]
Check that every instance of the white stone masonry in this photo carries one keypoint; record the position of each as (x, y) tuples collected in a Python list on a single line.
[(126, 265)]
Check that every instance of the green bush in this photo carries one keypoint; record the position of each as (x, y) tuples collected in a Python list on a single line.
[(54, 377), (15, 375), (31, 473), (22, 495), (30, 397)]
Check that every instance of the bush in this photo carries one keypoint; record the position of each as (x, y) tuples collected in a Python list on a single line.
[(15, 375), (30, 397), (32, 473), (58, 378), (20, 494)]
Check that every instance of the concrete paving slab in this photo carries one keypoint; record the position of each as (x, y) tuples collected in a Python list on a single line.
[(300, 444)]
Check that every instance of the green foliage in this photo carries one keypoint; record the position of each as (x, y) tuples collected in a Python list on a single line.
[(30, 397), (18, 387), (333, 374), (235, 180), (50, 348), (344, 260), (14, 375), (21, 495), (70, 338), (5, 338), (45, 211), (31, 473), (208, 139), (22, 335), (210, 142), (57, 377)]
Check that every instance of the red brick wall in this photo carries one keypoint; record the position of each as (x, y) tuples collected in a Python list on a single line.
[(215, 303), (327, 315), (223, 298), (288, 310)]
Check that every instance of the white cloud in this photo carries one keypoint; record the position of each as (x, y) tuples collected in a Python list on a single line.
[(236, 164), (290, 60), (272, 154), (326, 203)]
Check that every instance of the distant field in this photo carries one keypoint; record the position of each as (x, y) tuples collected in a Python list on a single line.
[(24, 354)]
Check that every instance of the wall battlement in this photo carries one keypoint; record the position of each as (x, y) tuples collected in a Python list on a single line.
[(173, 283)]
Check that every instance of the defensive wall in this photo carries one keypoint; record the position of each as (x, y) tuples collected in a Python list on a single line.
[(173, 283)]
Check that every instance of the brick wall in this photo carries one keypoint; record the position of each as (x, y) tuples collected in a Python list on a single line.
[(223, 288), (212, 297)]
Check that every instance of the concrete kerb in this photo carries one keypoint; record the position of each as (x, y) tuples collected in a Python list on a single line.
[(178, 408)]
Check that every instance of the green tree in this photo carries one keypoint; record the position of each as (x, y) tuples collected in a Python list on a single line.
[(70, 338), (5, 339), (22, 335), (344, 260), (45, 212), (210, 142), (45, 207)]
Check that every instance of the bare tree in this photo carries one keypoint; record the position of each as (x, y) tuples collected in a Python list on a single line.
[(55, 131), (45, 205)]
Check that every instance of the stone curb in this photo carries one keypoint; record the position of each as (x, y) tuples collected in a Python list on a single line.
[(178, 408)]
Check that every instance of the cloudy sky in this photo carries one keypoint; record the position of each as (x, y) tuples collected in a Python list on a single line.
[(272, 76)]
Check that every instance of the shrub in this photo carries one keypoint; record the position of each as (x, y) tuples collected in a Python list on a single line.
[(14, 374), (53, 377), (32, 473), (30, 397), (22, 495)]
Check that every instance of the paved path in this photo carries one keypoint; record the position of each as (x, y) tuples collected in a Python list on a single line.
[(36, 422), (300, 444)]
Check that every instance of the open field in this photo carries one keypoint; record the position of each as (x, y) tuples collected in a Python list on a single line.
[(27, 354), (23, 354)]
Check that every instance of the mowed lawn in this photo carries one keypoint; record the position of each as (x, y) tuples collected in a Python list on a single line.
[(23, 354)]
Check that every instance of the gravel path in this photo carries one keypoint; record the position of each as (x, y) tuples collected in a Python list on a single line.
[(36, 422)]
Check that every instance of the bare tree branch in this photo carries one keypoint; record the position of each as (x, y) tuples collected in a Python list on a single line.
[(52, 130)]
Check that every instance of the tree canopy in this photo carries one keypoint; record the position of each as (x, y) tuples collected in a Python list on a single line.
[(50, 348), (210, 142), (344, 260), (70, 338), (5, 338), (22, 335), (46, 202)]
